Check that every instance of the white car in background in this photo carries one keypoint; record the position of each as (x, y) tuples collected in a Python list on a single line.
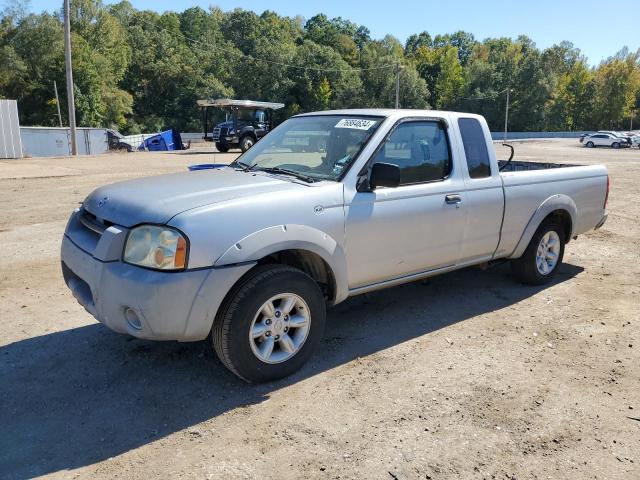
[(602, 139)]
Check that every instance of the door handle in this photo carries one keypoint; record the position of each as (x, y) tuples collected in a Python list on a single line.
[(453, 199)]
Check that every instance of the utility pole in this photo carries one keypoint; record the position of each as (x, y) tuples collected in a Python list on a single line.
[(397, 85), (506, 115), (70, 96), (55, 89)]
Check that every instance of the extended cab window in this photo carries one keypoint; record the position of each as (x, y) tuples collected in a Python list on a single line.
[(420, 149), (475, 148)]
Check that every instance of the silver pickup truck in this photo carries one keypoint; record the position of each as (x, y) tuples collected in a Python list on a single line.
[(326, 206)]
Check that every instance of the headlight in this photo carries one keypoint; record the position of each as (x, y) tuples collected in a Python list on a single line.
[(157, 247)]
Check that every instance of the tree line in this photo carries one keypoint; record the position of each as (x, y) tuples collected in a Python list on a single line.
[(143, 71)]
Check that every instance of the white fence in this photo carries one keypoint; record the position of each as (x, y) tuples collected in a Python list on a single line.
[(54, 141), (532, 135), (10, 143)]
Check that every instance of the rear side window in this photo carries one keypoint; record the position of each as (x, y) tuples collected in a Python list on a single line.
[(475, 148)]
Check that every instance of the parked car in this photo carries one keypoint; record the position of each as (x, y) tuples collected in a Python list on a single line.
[(117, 142), (602, 139), (621, 135), (252, 253)]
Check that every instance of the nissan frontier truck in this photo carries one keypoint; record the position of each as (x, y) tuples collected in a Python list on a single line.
[(252, 254)]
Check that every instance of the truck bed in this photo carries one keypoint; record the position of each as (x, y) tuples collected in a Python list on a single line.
[(517, 166)]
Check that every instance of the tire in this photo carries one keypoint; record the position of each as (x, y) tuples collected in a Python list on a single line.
[(528, 268), (221, 147), (242, 313), (615, 145), (246, 143), (590, 144)]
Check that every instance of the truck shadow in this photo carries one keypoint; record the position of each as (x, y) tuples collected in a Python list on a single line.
[(73, 398)]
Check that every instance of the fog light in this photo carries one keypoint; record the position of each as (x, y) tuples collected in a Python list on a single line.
[(132, 318)]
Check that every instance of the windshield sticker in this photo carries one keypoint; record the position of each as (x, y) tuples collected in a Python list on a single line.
[(356, 123)]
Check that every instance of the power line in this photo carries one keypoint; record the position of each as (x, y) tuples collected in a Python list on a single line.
[(255, 59)]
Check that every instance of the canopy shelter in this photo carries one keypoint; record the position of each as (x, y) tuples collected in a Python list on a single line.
[(229, 102), (231, 106)]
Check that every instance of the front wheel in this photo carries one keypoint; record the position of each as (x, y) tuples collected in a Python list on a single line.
[(540, 261), (270, 324), (590, 144), (222, 147), (615, 145)]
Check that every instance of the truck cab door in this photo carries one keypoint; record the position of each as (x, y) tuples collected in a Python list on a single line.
[(484, 191), (415, 227)]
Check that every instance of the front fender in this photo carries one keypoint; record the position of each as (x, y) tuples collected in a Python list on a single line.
[(274, 239), (554, 202)]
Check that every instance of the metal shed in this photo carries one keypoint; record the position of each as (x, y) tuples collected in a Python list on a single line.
[(10, 142)]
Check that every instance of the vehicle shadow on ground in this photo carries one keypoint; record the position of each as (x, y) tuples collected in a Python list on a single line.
[(77, 397)]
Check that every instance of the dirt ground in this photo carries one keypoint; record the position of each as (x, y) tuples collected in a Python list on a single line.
[(469, 375)]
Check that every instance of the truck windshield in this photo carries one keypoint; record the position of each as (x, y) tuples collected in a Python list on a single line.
[(320, 147)]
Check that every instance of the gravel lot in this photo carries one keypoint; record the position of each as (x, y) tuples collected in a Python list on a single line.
[(468, 375)]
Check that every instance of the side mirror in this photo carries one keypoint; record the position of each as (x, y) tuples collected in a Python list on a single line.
[(384, 175)]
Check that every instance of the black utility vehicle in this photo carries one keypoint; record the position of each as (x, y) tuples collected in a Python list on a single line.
[(246, 122)]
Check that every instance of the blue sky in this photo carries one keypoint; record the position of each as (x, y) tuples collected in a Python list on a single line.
[(598, 29)]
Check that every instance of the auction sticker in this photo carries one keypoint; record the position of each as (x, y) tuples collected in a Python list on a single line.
[(356, 123)]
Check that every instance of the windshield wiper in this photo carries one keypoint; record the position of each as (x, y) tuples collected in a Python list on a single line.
[(286, 171), (244, 166)]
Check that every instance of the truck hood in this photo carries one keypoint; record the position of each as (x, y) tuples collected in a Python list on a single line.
[(158, 199)]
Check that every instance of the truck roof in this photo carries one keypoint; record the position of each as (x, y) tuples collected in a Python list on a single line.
[(230, 102), (391, 112)]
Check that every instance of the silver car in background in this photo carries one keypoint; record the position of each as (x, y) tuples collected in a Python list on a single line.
[(606, 139)]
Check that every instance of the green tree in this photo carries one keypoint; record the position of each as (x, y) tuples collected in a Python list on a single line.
[(139, 70), (572, 103), (322, 94), (33, 57), (617, 83), (378, 61), (441, 69), (415, 41), (312, 64)]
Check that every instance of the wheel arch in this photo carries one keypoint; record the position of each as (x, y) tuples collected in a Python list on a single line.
[(309, 262), (247, 133), (303, 247), (560, 207)]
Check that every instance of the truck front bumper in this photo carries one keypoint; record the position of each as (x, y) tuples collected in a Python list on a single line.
[(146, 303)]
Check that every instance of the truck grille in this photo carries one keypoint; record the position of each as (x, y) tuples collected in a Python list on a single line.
[(93, 223), (216, 134)]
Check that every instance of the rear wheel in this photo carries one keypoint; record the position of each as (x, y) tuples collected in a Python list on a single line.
[(540, 261), (246, 143), (590, 144), (221, 147), (270, 324)]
